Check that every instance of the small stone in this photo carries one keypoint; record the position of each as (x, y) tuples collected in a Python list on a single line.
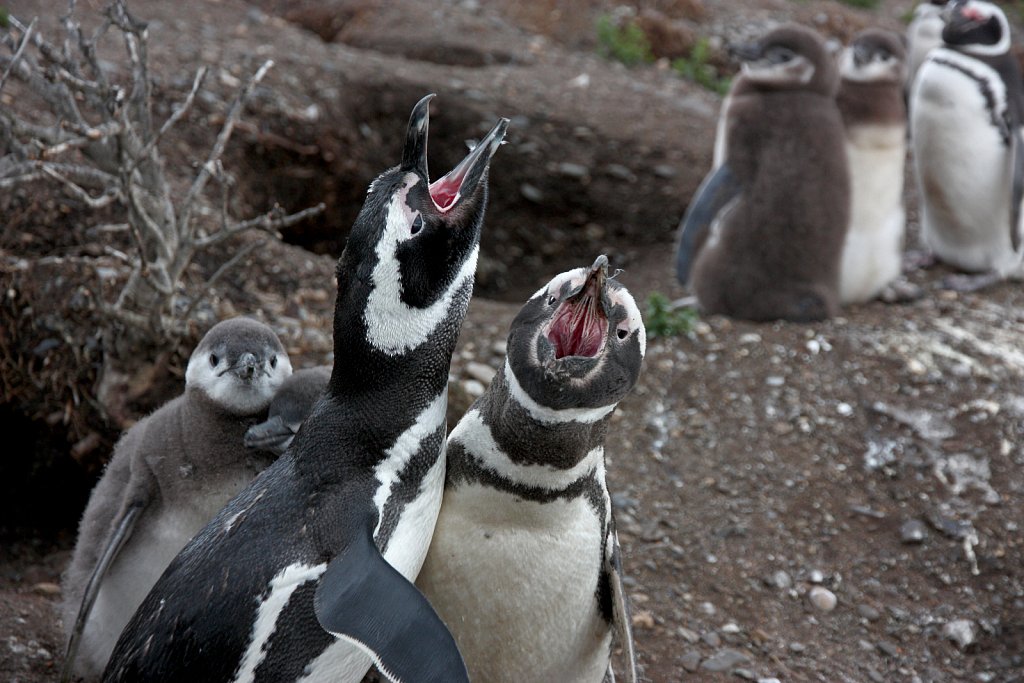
[(844, 409), (474, 388), (780, 580), (745, 674), (499, 348), (822, 598), (816, 576), (913, 531), (750, 338), (690, 660), (707, 608), (768, 680), (665, 171), (643, 619), (797, 647), (688, 635), (961, 631), (573, 170), (531, 193), (712, 639), (46, 588), (774, 381), (725, 660), (868, 612), (481, 372), (887, 648), (730, 628)]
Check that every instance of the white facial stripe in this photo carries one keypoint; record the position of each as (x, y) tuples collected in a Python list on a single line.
[(479, 441), (406, 445), (226, 390), (551, 415), (635, 321), (990, 10), (797, 70), (574, 277), (875, 70), (392, 325), (281, 588)]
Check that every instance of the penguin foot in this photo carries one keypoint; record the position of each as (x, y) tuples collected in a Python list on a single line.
[(917, 259), (971, 283), (900, 291)]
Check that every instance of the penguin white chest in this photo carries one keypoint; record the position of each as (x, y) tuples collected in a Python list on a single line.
[(515, 581), (962, 161)]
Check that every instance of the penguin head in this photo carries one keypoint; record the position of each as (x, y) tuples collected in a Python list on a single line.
[(874, 56), (239, 365), (578, 342), (412, 251), (976, 28), (790, 57)]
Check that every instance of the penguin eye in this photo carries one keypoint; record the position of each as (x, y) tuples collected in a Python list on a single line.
[(214, 360), (273, 361), (551, 300), (417, 224), (622, 333)]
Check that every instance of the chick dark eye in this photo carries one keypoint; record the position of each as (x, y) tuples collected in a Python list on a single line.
[(214, 360), (623, 334), (551, 300), (273, 361), (417, 225)]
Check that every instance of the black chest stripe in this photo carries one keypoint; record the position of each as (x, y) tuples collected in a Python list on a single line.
[(1000, 120), (408, 486)]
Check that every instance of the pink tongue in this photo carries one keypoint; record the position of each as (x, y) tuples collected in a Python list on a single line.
[(445, 191), (578, 329)]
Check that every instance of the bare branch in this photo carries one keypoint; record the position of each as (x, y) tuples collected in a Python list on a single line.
[(90, 136), (105, 199), (19, 52), (28, 171), (208, 169), (171, 120), (270, 222), (225, 267)]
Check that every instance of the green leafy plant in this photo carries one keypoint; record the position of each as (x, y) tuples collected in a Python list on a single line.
[(864, 4), (697, 68), (663, 320), (624, 43), (4, 17)]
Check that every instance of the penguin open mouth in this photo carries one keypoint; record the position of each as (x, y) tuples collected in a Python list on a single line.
[(580, 326)]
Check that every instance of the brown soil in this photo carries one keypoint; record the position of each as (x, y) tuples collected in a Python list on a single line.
[(745, 452)]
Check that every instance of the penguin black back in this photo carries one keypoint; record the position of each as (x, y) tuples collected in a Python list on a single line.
[(305, 574)]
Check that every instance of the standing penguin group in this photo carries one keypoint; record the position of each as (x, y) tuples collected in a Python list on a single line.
[(304, 570), (803, 209)]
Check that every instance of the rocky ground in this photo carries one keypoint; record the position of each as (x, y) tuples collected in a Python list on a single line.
[(829, 502)]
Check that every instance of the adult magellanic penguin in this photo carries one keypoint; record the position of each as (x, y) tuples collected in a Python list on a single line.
[(169, 475), (874, 115), (524, 565), (763, 236), (288, 410), (967, 107), (306, 575)]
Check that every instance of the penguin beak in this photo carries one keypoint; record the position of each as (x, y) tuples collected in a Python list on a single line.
[(247, 366), (462, 180), (580, 324), (414, 157)]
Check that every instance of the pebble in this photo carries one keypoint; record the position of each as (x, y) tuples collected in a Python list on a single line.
[(768, 680), (665, 171), (724, 660), (731, 627), (531, 193), (888, 648), (816, 576), (780, 580), (46, 588), (690, 660), (913, 531), (745, 674), (960, 631), (844, 409), (707, 608), (822, 598), (474, 388), (480, 371), (573, 170), (868, 612), (712, 639), (775, 381), (500, 348), (643, 619), (688, 635), (797, 647)]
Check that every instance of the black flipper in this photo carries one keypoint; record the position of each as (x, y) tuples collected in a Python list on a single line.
[(620, 612), (272, 435), (1017, 190), (363, 599), (92, 589), (718, 189)]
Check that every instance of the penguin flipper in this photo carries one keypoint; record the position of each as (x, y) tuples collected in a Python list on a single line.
[(121, 534), (1017, 190), (620, 611), (271, 435), (363, 599), (714, 194)]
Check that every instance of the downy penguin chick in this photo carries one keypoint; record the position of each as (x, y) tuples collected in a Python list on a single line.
[(306, 575), (871, 103), (290, 407), (524, 566), (169, 475), (763, 237), (966, 113)]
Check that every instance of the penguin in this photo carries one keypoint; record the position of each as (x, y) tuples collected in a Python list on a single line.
[(169, 475), (966, 113), (763, 236), (291, 405), (307, 573), (924, 34), (874, 116), (525, 566)]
